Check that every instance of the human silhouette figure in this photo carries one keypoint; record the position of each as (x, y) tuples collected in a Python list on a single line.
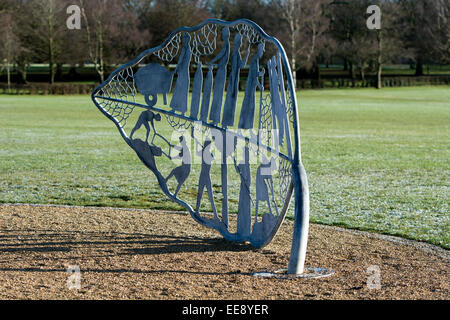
[(205, 177), (244, 215), (196, 91), (206, 96), (182, 172), (237, 63), (278, 113), (147, 153), (179, 100), (221, 75), (263, 181), (247, 116), (144, 119)]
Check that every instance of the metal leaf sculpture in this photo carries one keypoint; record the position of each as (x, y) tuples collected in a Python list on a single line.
[(244, 153)]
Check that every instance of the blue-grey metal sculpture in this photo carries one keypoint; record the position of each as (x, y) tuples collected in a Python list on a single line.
[(162, 82), (195, 143)]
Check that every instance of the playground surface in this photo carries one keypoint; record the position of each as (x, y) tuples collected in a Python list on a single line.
[(143, 254)]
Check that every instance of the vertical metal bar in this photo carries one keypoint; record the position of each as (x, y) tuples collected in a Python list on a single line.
[(224, 179), (301, 219)]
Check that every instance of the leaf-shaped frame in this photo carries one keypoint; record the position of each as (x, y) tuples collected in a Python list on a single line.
[(115, 98)]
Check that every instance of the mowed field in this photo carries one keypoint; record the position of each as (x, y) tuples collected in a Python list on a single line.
[(376, 160)]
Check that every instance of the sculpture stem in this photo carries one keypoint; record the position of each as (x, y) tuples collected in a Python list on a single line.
[(301, 222)]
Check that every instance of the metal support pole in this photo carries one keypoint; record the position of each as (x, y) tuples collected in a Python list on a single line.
[(301, 222)]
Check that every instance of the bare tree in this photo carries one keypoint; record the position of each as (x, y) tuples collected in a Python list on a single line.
[(348, 29), (354, 42), (163, 16), (16, 8), (9, 44), (361, 47), (290, 11), (436, 29), (389, 38), (111, 30), (256, 10), (44, 23), (427, 33), (306, 31), (95, 33)]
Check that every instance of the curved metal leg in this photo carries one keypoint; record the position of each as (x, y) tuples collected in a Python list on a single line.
[(301, 222)]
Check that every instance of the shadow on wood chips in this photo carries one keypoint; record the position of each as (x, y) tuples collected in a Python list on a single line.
[(139, 254)]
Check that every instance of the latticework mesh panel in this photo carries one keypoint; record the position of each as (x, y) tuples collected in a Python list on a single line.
[(285, 177), (250, 33), (289, 107), (119, 97), (177, 123), (170, 51), (266, 119), (122, 89), (204, 41)]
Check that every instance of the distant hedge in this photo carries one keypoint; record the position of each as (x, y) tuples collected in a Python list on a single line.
[(47, 89), (38, 88), (386, 82)]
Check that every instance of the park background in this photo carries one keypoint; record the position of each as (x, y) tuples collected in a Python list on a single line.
[(376, 150)]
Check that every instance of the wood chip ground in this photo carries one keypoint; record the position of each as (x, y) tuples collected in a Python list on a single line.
[(139, 254)]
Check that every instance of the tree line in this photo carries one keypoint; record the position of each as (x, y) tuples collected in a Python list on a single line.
[(313, 32)]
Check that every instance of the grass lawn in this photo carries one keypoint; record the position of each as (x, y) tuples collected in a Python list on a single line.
[(376, 160)]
